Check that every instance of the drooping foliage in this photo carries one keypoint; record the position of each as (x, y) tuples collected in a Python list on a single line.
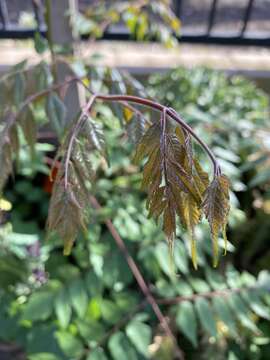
[(144, 19), (88, 307), (177, 187)]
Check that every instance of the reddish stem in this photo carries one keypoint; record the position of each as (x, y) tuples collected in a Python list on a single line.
[(128, 98), (170, 112)]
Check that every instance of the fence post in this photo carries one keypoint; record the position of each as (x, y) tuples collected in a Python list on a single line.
[(61, 33)]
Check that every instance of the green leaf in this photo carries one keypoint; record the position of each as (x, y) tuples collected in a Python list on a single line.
[(223, 312), (163, 257), (13, 270), (19, 88), (180, 257), (140, 335), (115, 270), (70, 345), (92, 331), (233, 277), (262, 177), (39, 306), (199, 285), (43, 356), (206, 316), (29, 127), (62, 307), (78, 297), (120, 348), (97, 354), (93, 284), (56, 112), (93, 309), (264, 280), (41, 43), (216, 281), (187, 322), (126, 300), (242, 312), (110, 312), (183, 288), (258, 307), (43, 76)]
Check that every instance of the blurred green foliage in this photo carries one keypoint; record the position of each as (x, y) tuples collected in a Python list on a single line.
[(144, 20), (87, 306)]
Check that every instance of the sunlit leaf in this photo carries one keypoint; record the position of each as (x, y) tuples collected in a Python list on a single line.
[(62, 307), (140, 336), (206, 316), (187, 322)]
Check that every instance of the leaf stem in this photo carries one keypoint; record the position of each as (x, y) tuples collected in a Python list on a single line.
[(163, 144), (133, 99), (207, 295), (154, 105)]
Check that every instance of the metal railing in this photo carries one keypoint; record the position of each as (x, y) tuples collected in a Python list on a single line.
[(240, 38), (11, 30)]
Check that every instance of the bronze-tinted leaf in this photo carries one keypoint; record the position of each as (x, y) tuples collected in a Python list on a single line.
[(192, 218), (201, 177), (149, 141), (56, 112), (93, 137), (136, 128), (216, 208), (66, 212), (177, 186), (5, 164), (169, 222), (29, 127)]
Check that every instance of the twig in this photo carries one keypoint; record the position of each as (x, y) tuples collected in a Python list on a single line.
[(171, 113), (121, 323), (124, 103), (208, 295), (133, 99), (140, 280), (44, 92)]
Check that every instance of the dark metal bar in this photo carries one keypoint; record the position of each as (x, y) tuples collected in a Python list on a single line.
[(18, 33), (221, 39), (212, 16), (178, 8), (227, 40), (4, 14), (246, 17), (37, 6), (118, 32)]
